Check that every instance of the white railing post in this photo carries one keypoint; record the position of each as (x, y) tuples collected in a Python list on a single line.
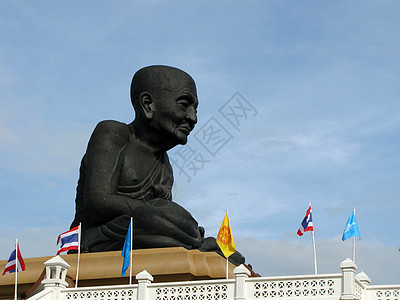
[(241, 273), (363, 278), (365, 281), (144, 279), (348, 282)]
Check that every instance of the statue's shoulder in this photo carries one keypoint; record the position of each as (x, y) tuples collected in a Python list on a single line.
[(112, 127), (111, 131)]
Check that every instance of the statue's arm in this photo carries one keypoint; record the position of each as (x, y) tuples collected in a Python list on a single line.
[(102, 168)]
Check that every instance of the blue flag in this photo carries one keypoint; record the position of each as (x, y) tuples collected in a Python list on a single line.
[(351, 228), (126, 251)]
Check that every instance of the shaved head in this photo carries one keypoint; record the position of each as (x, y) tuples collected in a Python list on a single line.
[(159, 80)]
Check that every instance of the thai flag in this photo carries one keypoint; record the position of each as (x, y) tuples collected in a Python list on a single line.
[(15, 262), (69, 240), (306, 224)]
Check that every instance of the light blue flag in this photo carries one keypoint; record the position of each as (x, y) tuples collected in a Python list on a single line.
[(126, 251), (351, 228)]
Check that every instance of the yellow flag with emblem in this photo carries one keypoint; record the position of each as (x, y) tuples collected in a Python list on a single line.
[(225, 238)]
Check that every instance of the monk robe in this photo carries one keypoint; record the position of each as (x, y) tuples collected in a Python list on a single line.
[(119, 179)]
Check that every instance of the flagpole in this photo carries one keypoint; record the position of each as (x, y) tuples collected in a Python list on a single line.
[(227, 263), (79, 254), (130, 267), (16, 269), (315, 253), (313, 242), (354, 241)]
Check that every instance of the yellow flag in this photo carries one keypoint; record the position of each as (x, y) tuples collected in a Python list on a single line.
[(225, 238)]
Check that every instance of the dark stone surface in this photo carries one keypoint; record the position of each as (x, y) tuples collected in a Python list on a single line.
[(125, 171)]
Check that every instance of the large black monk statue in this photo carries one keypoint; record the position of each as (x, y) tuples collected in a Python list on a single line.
[(126, 172)]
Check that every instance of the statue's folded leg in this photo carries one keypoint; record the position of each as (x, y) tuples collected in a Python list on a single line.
[(108, 237), (157, 223)]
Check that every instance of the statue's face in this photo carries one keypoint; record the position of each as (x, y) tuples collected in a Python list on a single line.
[(175, 114)]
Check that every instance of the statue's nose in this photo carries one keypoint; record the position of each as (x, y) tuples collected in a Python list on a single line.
[(191, 115)]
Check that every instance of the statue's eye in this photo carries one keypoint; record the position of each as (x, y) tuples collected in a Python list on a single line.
[(183, 102)]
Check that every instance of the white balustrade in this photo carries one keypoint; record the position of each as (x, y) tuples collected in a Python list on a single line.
[(339, 286), (205, 289), (295, 287), (383, 292), (115, 292)]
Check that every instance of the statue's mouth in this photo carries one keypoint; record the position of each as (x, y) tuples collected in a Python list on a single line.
[(185, 129)]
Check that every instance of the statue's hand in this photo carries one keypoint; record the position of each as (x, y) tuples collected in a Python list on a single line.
[(161, 191), (163, 223)]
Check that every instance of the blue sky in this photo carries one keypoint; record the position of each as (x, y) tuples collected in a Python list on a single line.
[(322, 79)]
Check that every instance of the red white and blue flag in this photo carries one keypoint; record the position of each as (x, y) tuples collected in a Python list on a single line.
[(306, 224), (68, 240), (15, 261)]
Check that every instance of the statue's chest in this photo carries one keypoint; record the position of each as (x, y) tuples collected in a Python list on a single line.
[(138, 166)]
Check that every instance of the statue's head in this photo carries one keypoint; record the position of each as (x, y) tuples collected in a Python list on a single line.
[(165, 100)]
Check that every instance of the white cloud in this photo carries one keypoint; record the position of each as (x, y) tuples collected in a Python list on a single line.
[(289, 257), (34, 241), (40, 147)]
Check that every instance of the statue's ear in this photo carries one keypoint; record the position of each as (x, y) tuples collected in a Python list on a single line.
[(146, 103)]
